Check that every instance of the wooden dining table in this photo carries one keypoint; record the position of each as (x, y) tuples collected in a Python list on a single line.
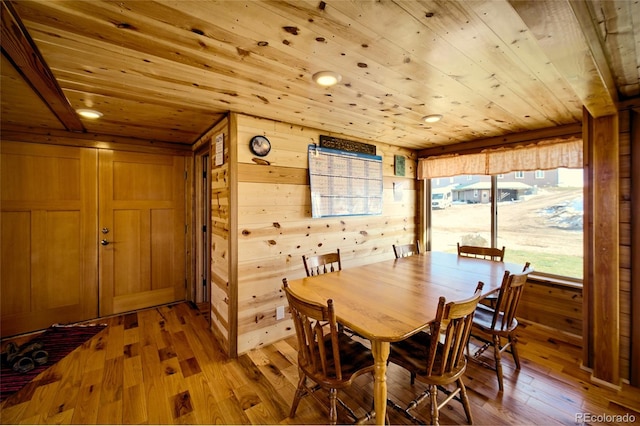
[(391, 300)]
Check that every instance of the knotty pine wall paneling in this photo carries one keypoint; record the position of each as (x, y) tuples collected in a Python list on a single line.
[(625, 125), (634, 280), (554, 305), (275, 227), (220, 295)]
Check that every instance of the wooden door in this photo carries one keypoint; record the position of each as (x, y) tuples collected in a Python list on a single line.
[(48, 235), (142, 230)]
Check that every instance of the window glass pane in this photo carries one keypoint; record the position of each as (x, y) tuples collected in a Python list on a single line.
[(540, 217), (542, 222), (460, 212)]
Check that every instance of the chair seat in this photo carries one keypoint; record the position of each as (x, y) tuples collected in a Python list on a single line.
[(484, 317), (355, 359), (412, 354)]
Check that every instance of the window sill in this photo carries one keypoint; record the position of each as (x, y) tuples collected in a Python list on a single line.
[(556, 280)]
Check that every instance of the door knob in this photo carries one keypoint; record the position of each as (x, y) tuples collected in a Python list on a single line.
[(104, 242)]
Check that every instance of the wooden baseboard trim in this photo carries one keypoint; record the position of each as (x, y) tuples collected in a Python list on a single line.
[(609, 385)]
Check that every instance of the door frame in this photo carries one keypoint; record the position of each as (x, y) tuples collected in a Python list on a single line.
[(199, 292)]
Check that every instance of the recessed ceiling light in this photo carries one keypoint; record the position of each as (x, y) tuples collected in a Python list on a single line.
[(327, 78), (89, 113), (432, 118)]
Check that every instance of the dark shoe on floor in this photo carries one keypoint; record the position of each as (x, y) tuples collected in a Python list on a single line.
[(24, 350), (23, 365), (9, 353), (40, 356)]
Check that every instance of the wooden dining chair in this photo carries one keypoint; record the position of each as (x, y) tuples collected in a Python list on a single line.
[(322, 263), (492, 326), (489, 253), (330, 359), (437, 358), (404, 250)]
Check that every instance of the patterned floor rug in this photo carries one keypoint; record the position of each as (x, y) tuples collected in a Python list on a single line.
[(58, 341)]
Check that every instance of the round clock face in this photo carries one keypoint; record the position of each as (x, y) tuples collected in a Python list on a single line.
[(260, 145)]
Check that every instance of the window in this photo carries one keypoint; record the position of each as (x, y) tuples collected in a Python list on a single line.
[(538, 221), (539, 174), (451, 225), (543, 224)]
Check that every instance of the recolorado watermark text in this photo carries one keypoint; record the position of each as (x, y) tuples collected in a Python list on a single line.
[(582, 418)]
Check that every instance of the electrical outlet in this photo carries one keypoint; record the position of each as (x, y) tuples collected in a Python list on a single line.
[(280, 312)]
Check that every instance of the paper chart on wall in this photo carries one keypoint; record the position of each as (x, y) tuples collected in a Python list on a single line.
[(219, 150), (344, 183)]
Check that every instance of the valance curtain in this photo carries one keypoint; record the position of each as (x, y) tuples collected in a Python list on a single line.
[(545, 155)]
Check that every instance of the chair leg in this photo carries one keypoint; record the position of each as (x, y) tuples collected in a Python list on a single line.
[(497, 356), (333, 410), (299, 394), (513, 340), (465, 401), (433, 391)]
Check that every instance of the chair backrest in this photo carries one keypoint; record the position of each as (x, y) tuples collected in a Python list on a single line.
[(404, 250), (489, 253), (509, 298), (322, 263), (314, 324), (453, 324)]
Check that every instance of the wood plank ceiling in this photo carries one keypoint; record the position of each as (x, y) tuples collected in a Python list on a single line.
[(167, 70)]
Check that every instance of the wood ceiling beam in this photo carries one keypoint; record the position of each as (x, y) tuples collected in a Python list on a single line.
[(90, 140), (558, 132), (567, 34), (21, 50)]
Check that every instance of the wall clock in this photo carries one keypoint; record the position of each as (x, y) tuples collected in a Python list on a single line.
[(260, 145)]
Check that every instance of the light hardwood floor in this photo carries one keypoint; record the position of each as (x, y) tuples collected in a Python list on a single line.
[(163, 366)]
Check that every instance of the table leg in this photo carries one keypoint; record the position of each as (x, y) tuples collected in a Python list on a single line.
[(380, 355)]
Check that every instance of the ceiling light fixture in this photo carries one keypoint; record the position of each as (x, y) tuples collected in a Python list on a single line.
[(89, 113), (327, 78), (432, 118)]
